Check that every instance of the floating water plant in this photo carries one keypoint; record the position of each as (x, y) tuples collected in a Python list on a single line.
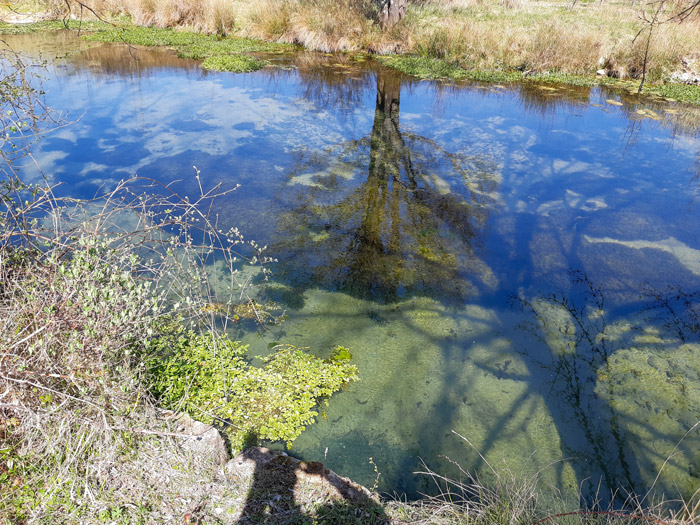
[(234, 63)]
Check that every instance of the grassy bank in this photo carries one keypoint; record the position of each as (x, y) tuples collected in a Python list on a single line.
[(562, 40)]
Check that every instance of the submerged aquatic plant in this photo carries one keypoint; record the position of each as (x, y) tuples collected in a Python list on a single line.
[(638, 377)]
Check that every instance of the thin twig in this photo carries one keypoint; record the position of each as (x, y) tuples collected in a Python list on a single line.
[(18, 343), (161, 433), (44, 387)]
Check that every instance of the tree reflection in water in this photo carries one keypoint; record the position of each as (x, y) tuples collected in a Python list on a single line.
[(412, 226)]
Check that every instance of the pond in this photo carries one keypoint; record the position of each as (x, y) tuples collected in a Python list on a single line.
[(514, 268)]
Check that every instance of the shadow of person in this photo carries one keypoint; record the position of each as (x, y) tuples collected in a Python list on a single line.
[(285, 490)]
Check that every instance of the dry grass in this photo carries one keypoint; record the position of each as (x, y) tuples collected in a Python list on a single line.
[(515, 35), (208, 16), (323, 25), (205, 16), (539, 37)]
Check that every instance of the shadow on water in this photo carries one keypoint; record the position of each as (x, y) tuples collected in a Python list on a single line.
[(602, 382), (408, 229)]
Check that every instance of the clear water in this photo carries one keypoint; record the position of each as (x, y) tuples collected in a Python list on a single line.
[(513, 267)]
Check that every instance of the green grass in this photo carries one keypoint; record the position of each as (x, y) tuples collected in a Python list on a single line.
[(225, 53)]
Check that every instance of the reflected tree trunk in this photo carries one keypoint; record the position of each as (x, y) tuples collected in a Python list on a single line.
[(406, 222), (382, 192)]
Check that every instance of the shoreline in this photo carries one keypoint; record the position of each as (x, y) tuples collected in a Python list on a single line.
[(441, 63)]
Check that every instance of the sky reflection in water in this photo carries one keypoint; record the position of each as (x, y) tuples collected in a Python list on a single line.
[(514, 264)]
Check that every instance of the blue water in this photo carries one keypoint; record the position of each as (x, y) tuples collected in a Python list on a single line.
[(513, 267)]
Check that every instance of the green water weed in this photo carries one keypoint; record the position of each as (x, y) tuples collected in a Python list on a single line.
[(221, 54), (234, 63), (209, 378)]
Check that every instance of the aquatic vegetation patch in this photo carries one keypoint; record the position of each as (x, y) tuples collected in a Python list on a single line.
[(221, 54), (681, 92), (234, 63), (425, 67), (209, 377)]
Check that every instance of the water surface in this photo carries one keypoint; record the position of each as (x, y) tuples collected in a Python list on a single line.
[(514, 268)]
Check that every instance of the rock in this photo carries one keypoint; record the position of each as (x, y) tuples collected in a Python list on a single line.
[(685, 77), (259, 463), (690, 74), (206, 440), (602, 73), (620, 72)]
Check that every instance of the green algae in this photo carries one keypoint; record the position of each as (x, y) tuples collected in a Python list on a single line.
[(632, 387), (426, 369), (234, 63), (656, 394)]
